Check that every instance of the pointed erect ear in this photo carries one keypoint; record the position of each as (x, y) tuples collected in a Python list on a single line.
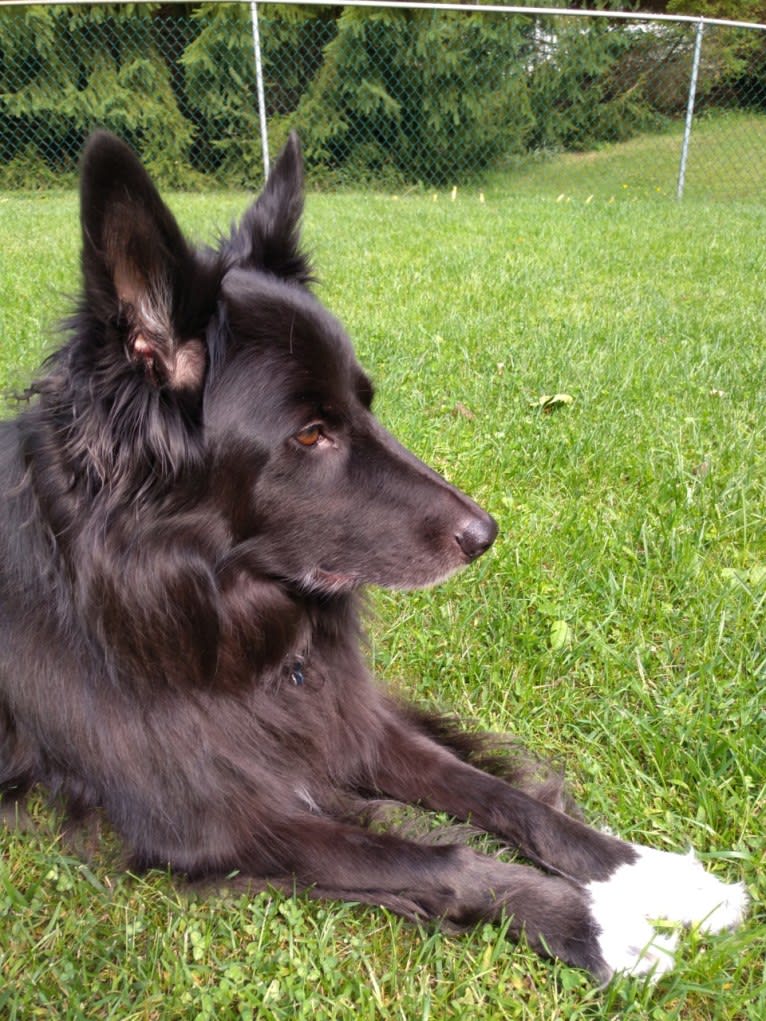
[(268, 237), (141, 277)]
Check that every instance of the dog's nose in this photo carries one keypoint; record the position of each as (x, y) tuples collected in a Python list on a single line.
[(476, 536)]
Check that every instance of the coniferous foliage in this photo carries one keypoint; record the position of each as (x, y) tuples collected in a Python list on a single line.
[(390, 96), (65, 70), (449, 96)]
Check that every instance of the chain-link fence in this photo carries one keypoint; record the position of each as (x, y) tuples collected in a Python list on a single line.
[(385, 96)]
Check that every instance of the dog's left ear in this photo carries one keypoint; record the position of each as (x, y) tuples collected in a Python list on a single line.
[(268, 237)]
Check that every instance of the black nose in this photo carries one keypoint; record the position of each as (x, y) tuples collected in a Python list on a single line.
[(476, 536)]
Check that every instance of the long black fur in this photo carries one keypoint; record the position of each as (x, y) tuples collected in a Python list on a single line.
[(191, 502)]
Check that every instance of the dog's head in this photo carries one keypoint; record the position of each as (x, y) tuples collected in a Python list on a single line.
[(220, 368)]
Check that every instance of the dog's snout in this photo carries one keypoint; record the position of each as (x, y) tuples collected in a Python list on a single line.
[(476, 536)]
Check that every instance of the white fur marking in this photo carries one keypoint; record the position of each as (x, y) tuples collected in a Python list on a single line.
[(659, 885), (628, 943), (304, 795)]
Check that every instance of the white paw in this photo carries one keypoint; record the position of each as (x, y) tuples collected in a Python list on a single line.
[(627, 941), (677, 888), (659, 885)]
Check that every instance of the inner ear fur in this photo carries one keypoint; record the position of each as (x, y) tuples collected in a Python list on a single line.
[(139, 272)]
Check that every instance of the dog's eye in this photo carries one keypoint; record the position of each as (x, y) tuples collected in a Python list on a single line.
[(310, 436)]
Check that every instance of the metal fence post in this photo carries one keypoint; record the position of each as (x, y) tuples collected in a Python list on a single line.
[(690, 108), (259, 89)]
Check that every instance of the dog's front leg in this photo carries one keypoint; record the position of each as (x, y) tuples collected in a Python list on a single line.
[(414, 768), (459, 886), (624, 881)]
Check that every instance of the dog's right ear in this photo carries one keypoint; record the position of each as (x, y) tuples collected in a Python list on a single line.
[(141, 277), (268, 237)]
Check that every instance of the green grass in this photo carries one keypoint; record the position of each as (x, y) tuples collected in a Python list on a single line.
[(727, 160), (636, 515)]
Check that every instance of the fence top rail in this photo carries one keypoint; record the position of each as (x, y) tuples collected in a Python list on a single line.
[(416, 5)]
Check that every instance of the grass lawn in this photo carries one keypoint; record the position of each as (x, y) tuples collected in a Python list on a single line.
[(726, 160), (616, 626)]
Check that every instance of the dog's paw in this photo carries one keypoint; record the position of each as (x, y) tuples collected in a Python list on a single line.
[(627, 941), (659, 886), (677, 888)]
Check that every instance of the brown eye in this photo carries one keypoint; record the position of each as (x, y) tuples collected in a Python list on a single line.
[(309, 437)]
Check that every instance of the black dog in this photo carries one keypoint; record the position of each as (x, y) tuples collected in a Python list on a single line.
[(190, 504)]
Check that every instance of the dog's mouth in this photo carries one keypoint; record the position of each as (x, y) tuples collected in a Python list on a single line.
[(326, 582)]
